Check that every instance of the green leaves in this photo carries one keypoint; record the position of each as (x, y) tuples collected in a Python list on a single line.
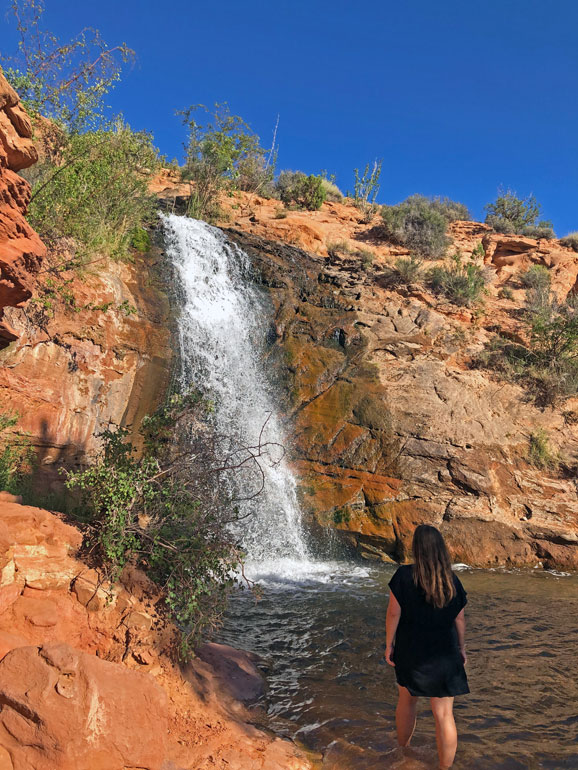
[(510, 214), (149, 508)]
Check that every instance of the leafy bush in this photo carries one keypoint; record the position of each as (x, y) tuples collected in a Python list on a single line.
[(570, 241), (461, 283), (409, 270), (221, 153), (16, 454), (421, 223), (479, 252), (451, 210), (506, 293), (306, 192), (255, 175), (540, 453), (98, 192), (155, 510), (510, 214)]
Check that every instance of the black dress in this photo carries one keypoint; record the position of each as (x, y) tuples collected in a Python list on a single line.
[(426, 650)]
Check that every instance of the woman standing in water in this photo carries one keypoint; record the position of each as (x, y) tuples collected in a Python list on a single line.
[(425, 630)]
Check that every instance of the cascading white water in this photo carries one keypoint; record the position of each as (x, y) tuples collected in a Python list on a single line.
[(222, 329)]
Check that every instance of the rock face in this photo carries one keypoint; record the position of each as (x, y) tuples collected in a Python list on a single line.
[(21, 250), (88, 679), (392, 425)]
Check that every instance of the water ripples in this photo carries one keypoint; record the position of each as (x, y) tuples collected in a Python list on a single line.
[(323, 643)]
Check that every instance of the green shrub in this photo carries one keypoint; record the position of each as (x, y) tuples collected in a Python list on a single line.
[(16, 455), (570, 241), (140, 240), (255, 175), (506, 293), (451, 210), (409, 269), (306, 192), (153, 509), (463, 284), (479, 252), (221, 153), (547, 364), (97, 193), (510, 214), (536, 277), (540, 453), (421, 224)]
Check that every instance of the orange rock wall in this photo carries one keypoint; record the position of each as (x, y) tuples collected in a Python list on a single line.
[(21, 250), (88, 679)]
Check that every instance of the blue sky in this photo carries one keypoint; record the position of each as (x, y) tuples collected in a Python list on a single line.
[(456, 97)]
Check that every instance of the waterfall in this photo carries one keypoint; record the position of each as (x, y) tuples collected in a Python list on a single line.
[(222, 331)]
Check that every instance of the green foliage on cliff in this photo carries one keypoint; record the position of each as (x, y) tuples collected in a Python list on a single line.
[(570, 241), (16, 454), (510, 214), (222, 153), (298, 189), (421, 223), (540, 452), (462, 283), (96, 191), (547, 363), (152, 508)]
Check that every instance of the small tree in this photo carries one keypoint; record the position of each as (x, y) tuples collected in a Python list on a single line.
[(219, 153), (166, 510), (366, 188), (67, 82), (510, 214)]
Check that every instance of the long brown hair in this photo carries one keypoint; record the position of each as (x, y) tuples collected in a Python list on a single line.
[(432, 569)]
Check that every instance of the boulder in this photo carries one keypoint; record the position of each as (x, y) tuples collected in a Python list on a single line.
[(63, 709)]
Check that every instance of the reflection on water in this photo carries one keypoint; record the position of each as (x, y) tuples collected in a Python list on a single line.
[(331, 689)]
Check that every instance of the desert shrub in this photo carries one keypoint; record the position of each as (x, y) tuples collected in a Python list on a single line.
[(510, 214), (570, 240), (158, 509), (536, 277), (409, 269), (305, 192), (463, 284), (547, 363), (366, 256), (16, 454), (451, 210), (280, 213), (366, 187), (421, 224), (540, 452), (332, 191), (221, 152), (336, 248), (97, 194), (506, 293), (479, 252)]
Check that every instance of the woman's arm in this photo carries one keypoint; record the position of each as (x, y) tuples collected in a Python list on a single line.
[(391, 624), (461, 629)]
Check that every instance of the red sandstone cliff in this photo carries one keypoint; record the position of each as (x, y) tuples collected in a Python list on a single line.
[(87, 673), (21, 250)]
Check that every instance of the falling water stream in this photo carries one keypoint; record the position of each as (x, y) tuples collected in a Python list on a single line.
[(320, 623)]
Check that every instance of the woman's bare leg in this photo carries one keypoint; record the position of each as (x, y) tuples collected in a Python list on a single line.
[(405, 716), (446, 733)]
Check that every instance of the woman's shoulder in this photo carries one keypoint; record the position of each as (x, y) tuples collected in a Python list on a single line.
[(404, 572)]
